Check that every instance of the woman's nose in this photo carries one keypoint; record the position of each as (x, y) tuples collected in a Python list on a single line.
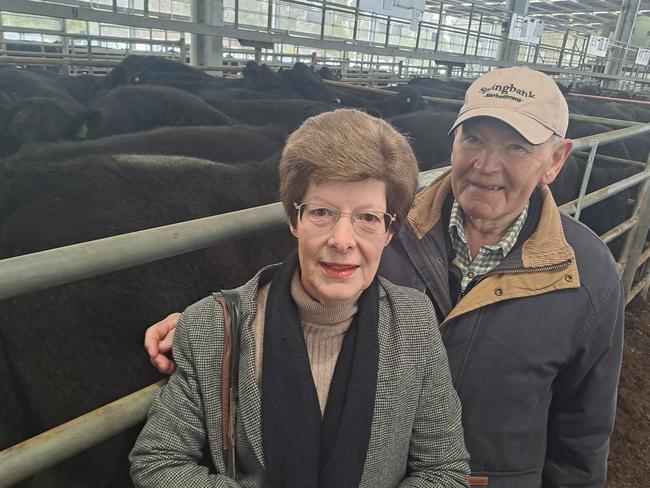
[(343, 236)]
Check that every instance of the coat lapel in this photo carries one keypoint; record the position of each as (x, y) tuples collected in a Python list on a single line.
[(250, 405)]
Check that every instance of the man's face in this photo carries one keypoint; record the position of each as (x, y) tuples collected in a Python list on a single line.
[(495, 170)]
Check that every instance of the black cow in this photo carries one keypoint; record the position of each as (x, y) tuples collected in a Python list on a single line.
[(288, 114), (262, 78), (75, 347), (226, 144), (308, 84), (135, 108), (39, 119), (427, 132), (131, 65), (406, 101)]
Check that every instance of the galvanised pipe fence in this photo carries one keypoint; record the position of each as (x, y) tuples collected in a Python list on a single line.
[(37, 271)]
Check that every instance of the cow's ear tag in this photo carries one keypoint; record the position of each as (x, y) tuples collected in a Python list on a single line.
[(82, 133)]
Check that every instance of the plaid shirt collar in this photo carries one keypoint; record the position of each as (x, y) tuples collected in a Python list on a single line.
[(489, 257)]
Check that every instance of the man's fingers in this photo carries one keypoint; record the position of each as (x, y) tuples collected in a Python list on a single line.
[(166, 344), (155, 337)]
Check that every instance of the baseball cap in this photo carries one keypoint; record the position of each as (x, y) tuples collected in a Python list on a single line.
[(527, 100)]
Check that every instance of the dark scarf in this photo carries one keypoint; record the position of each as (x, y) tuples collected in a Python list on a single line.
[(301, 450)]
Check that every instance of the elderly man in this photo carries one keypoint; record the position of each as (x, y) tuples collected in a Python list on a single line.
[(529, 300)]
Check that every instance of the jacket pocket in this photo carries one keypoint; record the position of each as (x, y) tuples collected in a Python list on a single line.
[(528, 478), (478, 481)]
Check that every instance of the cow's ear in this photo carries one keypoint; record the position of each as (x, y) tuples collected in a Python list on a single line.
[(560, 153), (89, 123)]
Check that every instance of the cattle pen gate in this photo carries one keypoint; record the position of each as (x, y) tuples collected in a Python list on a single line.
[(41, 270)]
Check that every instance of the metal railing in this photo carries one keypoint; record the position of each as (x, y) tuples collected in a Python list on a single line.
[(44, 269)]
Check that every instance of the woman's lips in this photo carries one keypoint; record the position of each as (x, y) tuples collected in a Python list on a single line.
[(337, 270)]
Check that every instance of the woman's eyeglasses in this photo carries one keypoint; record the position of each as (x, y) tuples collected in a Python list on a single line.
[(366, 222)]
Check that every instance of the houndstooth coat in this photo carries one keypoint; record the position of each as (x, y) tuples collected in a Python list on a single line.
[(416, 437)]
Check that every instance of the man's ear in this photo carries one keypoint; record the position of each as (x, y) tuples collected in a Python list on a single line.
[(293, 230), (561, 152)]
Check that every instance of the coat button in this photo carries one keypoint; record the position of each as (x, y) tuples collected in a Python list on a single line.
[(498, 292), (439, 259), (568, 278), (470, 275)]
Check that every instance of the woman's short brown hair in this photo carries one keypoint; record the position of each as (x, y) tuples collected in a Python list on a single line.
[(348, 145)]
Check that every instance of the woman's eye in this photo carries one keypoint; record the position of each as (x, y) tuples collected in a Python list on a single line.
[(368, 218), (320, 212)]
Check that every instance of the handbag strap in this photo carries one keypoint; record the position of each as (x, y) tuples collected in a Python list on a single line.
[(229, 376)]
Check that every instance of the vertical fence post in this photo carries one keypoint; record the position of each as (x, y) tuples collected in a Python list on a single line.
[(585, 178), (635, 240)]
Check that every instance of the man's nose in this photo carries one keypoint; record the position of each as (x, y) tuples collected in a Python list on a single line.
[(489, 159)]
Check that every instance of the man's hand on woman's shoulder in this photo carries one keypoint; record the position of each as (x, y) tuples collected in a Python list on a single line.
[(158, 342)]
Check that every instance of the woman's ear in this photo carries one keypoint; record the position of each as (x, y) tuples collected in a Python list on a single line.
[(389, 237), (293, 230)]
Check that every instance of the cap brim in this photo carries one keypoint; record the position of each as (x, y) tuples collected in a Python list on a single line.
[(529, 128)]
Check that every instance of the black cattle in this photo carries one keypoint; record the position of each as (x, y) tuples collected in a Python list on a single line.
[(75, 347), (327, 74), (38, 119), (8, 143), (238, 94), (427, 132), (226, 144), (83, 88), (135, 108), (406, 101), (288, 114), (578, 129), (308, 84), (440, 88), (566, 185), (19, 84), (131, 65), (262, 78), (38, 111), (605, 215)]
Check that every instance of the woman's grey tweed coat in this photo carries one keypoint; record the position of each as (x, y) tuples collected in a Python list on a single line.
[(416, 438)]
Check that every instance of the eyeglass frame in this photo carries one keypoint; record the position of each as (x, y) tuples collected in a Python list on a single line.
[(392, 218)]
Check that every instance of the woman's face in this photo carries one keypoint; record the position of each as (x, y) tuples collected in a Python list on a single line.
[(338, 262)]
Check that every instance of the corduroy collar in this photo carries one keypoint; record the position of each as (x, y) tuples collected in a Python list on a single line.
[(545, 247)]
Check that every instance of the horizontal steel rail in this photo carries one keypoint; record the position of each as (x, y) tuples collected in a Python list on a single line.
[(40, 270), (611, 136), (611, 159), (45, 269), (638, 287), (458, 103), (603, 193), (620, 229), (43, 451)]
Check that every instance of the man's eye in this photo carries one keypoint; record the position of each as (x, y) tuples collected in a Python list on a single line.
[(517, 148), (368, 218), (472, 140)]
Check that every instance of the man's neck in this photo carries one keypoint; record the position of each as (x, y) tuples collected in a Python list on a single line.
[(482, 232)]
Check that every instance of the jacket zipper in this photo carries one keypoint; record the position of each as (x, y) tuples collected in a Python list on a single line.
[(541, 269)]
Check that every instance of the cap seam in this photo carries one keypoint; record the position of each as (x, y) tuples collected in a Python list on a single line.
[(536, 119)]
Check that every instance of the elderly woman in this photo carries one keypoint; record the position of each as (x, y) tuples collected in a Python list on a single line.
[(339, 378)]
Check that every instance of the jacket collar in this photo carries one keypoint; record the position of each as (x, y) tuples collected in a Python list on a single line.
[(547, 245)]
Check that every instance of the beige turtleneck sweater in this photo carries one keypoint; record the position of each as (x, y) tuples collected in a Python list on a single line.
[(322, 327)]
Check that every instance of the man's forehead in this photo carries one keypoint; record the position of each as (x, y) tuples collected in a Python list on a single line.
[(492, 127)]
